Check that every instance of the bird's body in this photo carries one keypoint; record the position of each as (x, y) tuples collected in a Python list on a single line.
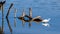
[(46, 20)]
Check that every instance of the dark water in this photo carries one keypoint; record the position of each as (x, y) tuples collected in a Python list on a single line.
[(44, 8)]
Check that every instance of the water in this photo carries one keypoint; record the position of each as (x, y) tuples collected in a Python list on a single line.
[(44, 8)]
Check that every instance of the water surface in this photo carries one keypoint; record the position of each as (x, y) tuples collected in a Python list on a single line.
[(44, 8)]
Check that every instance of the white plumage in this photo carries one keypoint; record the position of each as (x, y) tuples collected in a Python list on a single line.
[(46, 24), (46, 20)]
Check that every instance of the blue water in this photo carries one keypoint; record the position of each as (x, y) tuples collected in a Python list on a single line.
[(44, 8)]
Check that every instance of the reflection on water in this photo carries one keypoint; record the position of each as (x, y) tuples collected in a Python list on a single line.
[(1, 32), (15, 22), (8, 19), (46, 9), (15, 11), (30, 24), (9, 24)]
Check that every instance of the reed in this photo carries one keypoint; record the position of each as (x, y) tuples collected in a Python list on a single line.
[(15, 17), (9, 10)]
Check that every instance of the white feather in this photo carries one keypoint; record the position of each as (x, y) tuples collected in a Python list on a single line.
[(45, 24), (46, 20)]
